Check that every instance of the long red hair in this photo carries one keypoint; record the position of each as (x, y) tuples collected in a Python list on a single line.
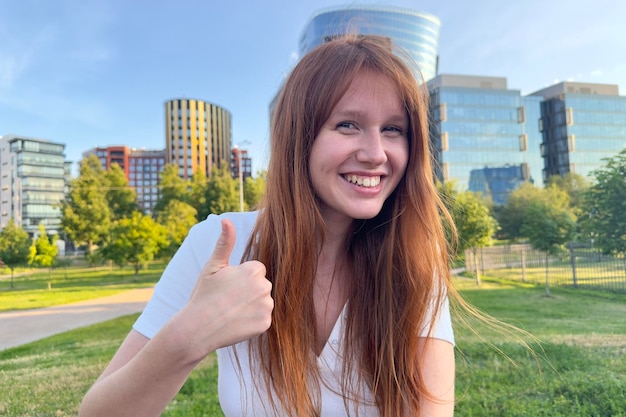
[(399, 258)]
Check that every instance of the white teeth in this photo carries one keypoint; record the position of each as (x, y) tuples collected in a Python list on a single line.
[(367, 182)]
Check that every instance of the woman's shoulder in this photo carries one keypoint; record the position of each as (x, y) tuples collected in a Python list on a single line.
[(203, 236), (243, 221)]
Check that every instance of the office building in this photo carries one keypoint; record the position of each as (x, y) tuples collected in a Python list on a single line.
[(33, 179), (581, 124), (240, 162), (142, 169), (417, 33), (497, 182), (483, 135), (109, 155), (197, 136)]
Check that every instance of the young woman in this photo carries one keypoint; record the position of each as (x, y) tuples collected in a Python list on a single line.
[(331, 300)]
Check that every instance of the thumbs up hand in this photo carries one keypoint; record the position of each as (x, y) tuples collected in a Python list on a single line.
[(229, 304)]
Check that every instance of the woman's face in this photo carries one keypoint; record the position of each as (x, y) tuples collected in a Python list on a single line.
[(361, 151)]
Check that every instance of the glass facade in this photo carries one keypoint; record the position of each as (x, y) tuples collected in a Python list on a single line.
[(416, 33), (33, 183), (532, 108), (496, 182), (491, 139), (580, 130), (485, 139)]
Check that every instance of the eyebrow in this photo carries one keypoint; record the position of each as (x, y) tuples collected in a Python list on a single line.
[(398, 118)]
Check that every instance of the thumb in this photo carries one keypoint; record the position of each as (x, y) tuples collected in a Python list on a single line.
[(223, 248)]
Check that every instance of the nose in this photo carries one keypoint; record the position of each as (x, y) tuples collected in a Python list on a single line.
[(371, 149)]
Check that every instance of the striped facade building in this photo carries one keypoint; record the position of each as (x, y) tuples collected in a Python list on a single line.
[(198, 136)]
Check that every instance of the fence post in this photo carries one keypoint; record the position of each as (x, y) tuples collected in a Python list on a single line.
[(523, 265), (476, 267), (469, 261), (547, 275), (572, 257), (482, 261)]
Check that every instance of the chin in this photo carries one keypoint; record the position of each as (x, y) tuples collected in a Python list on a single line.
[(365, 214)]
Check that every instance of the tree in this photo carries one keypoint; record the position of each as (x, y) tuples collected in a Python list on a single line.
[(472, 219), (512, 215), (43, 252), (198, 194), (548, 227), (474, 224), (605, 206), (222, 193), (574, 185), (121, 198), (253, 190), (173, 187), (177, 218), (135, 240), (448, 193), (85, 212), (14, 246)]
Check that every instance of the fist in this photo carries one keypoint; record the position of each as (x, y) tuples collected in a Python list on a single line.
[(232, 302)]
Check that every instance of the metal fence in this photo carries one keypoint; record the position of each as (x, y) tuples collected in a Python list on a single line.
[(580, 266)]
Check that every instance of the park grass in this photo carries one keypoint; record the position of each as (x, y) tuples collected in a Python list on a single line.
[(50, 377), (578, 369), (577, 365), (45, 288)]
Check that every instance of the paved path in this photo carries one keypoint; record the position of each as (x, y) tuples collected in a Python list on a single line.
[(25, 326)]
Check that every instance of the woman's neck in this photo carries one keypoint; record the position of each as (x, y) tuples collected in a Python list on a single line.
[(331, 288)]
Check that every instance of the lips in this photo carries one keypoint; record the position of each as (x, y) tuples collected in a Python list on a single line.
[(363, 181)]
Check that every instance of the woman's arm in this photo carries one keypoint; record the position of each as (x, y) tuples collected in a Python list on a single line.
[(229, 304), (437, 357), (141, 379)]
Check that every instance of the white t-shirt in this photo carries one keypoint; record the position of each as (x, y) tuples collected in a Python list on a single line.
[(237, 394)]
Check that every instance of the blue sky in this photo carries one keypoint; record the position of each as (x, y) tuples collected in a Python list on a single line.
[(97, 72)]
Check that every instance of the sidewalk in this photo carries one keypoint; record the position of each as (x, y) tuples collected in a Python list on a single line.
[(25, 326)]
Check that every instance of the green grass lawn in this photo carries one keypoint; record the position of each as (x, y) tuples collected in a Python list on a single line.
[(578, 370), (61, 286), (50, 377)]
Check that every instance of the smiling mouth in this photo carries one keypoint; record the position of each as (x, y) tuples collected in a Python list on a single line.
[(367, 182)]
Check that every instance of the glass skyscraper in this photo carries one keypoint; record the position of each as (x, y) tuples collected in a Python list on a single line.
[(416, 33), (581, 123), (483, 135), (32, 182)]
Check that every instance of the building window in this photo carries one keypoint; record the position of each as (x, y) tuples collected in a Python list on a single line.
[(571, 143), (523, 142), (443, 115), (444, 141), (569, 116)]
